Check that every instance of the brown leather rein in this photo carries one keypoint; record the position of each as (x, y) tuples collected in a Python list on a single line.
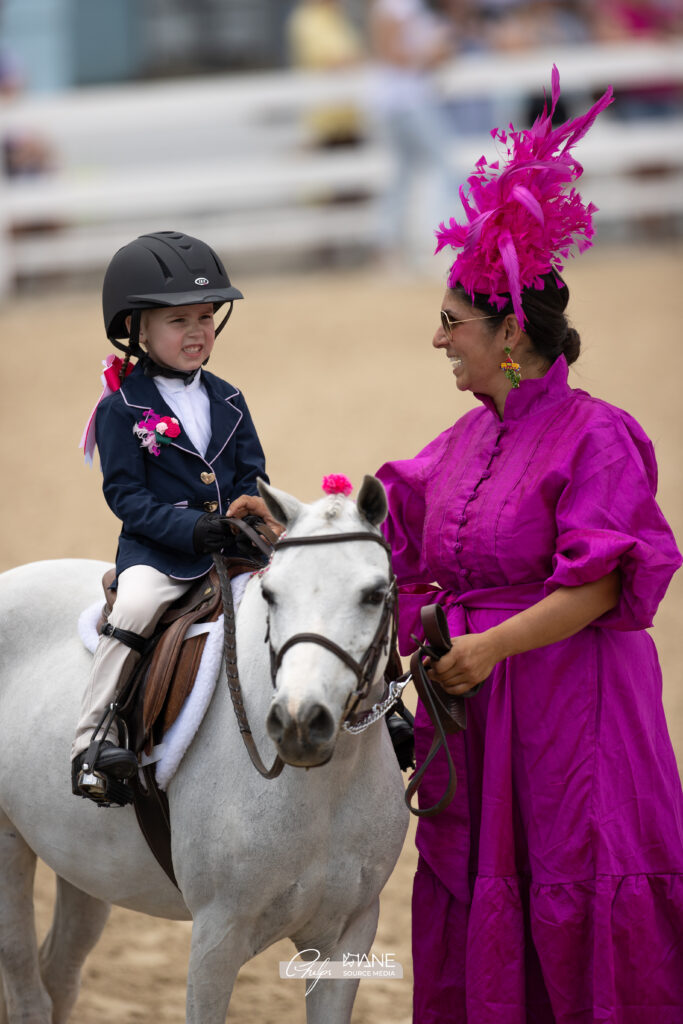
[(364, 669)]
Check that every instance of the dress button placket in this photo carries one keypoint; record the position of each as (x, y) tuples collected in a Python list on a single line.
[(485, 474)]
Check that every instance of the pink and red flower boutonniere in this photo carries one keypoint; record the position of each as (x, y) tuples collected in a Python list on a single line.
[(154, 430)]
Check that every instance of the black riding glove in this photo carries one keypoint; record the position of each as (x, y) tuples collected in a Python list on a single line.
[(211, 533), (246, 547)]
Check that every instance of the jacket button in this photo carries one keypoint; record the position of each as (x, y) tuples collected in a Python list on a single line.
[(207, 478), (210, 506)]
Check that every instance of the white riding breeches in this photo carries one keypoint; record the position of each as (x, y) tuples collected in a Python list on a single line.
[(143, 595)]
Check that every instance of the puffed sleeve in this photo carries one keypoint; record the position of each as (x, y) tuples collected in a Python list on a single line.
[(607, 518), (404, 483)]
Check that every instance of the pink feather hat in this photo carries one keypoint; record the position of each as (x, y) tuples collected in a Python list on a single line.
[(522, 219)]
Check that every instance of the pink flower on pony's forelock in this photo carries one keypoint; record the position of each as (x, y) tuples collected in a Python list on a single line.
[(337, 483)]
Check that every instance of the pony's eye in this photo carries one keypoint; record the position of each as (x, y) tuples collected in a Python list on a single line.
[(374, 596), (268, 596)]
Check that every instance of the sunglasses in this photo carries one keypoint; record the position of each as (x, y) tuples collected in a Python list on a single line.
[(448, 323)]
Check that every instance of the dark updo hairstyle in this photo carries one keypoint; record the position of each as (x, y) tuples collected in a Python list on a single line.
[(546, 323)]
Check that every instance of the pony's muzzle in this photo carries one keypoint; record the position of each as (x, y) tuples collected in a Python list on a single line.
[(305, 739)]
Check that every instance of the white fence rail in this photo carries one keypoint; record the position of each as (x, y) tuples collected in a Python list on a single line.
[(226, 157)]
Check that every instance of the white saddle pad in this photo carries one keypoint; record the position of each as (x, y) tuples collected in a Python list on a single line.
[(169, 754)]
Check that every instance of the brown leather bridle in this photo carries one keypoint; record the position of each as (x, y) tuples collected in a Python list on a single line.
[(382, 641), (364, 670)]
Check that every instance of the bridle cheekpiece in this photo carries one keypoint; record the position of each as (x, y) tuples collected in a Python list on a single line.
[(384, 636)]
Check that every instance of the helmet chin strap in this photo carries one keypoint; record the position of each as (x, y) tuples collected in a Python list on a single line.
[(150, 368), (224, 320)]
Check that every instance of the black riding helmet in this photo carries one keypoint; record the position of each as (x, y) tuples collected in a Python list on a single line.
[(165, 268)]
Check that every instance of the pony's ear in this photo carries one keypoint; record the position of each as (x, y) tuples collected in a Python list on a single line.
[(372, 501), (281, 506)]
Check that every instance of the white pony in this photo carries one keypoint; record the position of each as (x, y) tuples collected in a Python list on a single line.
[(304, 855)]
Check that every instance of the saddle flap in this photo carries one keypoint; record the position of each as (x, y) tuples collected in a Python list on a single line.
[(175, 660), (164, 678)]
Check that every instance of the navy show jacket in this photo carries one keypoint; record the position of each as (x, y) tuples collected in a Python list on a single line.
[(159, 498)]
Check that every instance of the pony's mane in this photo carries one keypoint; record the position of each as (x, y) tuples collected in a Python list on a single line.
[(335, 505)]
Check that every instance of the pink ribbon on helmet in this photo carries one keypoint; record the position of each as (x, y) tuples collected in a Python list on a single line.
[(111, 382)]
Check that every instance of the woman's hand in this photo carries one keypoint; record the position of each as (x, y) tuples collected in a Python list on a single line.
[(561, 614), (252, 505), (470, 660)]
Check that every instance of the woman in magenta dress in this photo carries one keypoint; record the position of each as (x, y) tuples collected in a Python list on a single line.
[(551, 889)]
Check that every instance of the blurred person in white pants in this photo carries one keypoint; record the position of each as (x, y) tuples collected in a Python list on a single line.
[(409, 42)]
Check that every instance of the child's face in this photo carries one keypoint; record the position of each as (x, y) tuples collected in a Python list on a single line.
[(180, 337)]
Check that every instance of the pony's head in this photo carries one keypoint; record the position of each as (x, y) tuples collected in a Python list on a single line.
[(330, 592)]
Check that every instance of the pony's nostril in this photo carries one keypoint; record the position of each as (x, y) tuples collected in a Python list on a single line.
[(275, 724), (319, 724)]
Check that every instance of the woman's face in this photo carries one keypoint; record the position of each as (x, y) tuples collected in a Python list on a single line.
[(474, 350), (181, 337)]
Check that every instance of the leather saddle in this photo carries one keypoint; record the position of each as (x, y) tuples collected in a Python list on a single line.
[(152, 698)]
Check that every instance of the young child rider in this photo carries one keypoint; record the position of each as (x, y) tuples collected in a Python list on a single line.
[(177, 445)]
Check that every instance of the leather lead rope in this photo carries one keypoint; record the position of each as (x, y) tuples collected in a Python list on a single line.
[(234, 685), (448, 713)]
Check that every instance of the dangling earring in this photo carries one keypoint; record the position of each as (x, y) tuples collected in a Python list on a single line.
[(511, 369)]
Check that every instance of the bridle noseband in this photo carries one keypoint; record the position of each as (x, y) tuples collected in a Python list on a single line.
[(382, 641)]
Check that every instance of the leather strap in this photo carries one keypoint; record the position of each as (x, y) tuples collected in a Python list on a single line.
[(151, 810), (126, 636), (332, 538), (234, 685), (263, 538), (448, 712)]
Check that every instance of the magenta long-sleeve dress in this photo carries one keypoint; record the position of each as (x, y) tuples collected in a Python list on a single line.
[(551, 890)]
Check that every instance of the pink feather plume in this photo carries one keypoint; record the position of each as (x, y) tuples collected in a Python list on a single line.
[(523, 219)]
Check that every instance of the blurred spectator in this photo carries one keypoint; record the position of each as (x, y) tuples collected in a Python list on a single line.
[(620, 20), (643, 19), (321, 37), (409, 41), (23, 153), (527, 24)]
